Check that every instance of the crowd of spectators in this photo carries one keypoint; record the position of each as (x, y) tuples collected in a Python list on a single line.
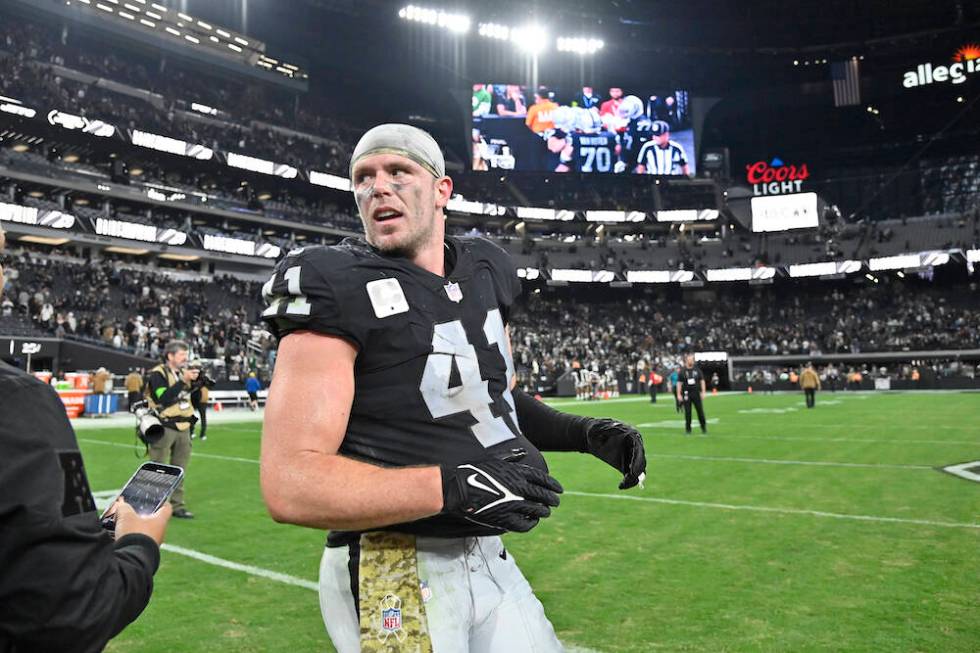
[(32, 71), (128, 306), (553, 335), (136, 309)]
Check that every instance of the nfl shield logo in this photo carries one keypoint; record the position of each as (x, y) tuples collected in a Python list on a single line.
[(391, 620), (454, 292)]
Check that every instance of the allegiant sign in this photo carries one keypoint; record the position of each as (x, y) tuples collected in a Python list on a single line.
[(966, 61)]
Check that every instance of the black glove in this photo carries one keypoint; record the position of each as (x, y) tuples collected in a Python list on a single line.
[(499, 493), (619, 445)]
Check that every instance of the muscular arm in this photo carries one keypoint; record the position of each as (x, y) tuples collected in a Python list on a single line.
[(304, 479)]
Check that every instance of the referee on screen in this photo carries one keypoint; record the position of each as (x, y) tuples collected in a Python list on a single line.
[(690, 390), (660, 155)]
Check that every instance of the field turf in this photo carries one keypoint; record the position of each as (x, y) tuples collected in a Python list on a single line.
[(785, 529)]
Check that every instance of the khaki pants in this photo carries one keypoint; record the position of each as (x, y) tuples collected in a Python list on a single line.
[(174, 448)]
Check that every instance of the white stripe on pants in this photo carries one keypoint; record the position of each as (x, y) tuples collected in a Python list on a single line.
[(480, 603)]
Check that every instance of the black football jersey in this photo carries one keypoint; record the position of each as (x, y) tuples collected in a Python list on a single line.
[(689, 381), (637, 135), (595, 152), (433, 369)]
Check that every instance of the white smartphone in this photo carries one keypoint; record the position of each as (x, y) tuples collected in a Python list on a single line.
[(147, 490)]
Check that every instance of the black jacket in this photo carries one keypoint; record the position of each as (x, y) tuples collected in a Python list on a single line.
[(64, 584)]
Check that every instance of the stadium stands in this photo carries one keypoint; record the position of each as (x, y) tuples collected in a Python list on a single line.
[(808, 319), (133, 308)]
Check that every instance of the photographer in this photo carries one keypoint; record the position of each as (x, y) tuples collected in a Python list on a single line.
[(168, 393), (64, 584), (199, 396)]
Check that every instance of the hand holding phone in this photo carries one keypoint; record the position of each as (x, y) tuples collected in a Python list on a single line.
[(142, 506), (126, 520)]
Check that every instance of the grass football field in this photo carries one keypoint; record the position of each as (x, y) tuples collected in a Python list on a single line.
[(785, 529)]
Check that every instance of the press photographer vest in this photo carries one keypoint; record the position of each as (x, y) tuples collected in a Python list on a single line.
[(179, 416)]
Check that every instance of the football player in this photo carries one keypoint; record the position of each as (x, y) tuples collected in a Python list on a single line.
[(578, 142), (638, 132), (393, 420)]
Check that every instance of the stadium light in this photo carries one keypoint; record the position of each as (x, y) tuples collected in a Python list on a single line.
[(494, 31), (532, 39), (456, 23), (579, 45)]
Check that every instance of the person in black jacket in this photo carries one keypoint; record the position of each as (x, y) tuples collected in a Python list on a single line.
[(64, 584), (690, 392)]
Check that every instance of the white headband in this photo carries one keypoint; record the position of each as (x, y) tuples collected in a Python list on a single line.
[(404, 140)]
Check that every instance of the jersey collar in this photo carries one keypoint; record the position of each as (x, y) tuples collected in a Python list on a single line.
[(457, 252)]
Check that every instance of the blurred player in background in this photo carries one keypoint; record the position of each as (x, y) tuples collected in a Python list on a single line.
[(609, 113), (481, 151), (482, 100), (512, 102), (672, 387), (538, 117), (578, 143), (810, 382), (660, 155), (637, 132), (586, 99), (663, 109), (690, 392), (609, 108)]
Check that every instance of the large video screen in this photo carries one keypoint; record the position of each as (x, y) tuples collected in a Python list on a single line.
[(586, 129)]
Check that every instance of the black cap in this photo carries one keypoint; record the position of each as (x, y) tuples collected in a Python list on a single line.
[(659, 127)]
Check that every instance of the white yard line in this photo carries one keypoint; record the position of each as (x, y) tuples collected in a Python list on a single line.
[(772, 461), (280, 578), (247, 569), (862, 440), (782, 511), (674, 424), (195, 454), (601, 402)]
